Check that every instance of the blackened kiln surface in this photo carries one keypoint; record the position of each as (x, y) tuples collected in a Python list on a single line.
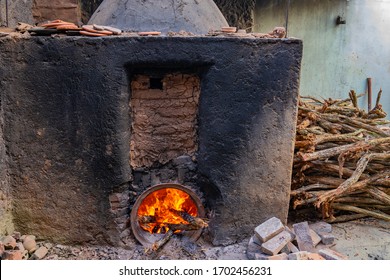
[(66, 128)]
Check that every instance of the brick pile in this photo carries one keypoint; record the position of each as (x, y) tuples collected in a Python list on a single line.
[(25, 247), (274, 241)]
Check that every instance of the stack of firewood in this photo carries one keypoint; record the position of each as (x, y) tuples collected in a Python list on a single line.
[(342, 159)]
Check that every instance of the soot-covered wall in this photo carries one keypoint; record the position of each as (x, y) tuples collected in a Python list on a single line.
[(67, 128)]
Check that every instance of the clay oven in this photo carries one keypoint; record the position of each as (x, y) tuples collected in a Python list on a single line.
[(90, 124)]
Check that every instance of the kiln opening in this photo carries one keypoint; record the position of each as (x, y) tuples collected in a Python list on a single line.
[(167, 209)]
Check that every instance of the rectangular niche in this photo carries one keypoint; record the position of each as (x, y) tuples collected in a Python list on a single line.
[(164, 111)]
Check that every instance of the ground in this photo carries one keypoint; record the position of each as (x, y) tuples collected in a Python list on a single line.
[(364, 239)]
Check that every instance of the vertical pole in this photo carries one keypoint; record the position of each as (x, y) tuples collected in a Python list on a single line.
[(287, 13), (369, 86), (6, 13)]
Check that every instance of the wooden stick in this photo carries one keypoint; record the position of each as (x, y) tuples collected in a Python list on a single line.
[(378, 194), (353, 97), (146, 219), (311, 130), (346, 100), (358, 200), (311, 187), (299, 202), (350, 137), (378, 98), (312, 98), (371, 206), (367, 127), (324, 154), (378, 215), (345, 218), (349, 186), (194, 221), (160, 243), (186, 227), (369, 81), (324, 180), (335, 169), (383, 183), (340, 119)]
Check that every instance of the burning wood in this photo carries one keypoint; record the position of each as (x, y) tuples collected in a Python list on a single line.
[(195, 223), (341, 162), (168, 211)]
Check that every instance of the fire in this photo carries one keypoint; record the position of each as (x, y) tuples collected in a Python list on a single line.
[(162, 207)]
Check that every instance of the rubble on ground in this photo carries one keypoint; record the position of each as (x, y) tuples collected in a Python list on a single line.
[(22, 247), (303, 241), (59, 28)]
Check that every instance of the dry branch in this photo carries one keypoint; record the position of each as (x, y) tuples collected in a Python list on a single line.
[(358, 210), (342, 158), (160, 243), (345, 218)]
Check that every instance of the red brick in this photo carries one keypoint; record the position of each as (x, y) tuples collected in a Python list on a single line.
[(330, 254), (315, 257), (9, 242), (315, 237), (12, 255), (2, 249), (280, 257), (40, 253)]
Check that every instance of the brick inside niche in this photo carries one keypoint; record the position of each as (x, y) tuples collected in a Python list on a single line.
[(164, 118)]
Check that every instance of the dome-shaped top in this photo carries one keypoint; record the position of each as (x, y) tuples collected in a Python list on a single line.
[(196, 16)]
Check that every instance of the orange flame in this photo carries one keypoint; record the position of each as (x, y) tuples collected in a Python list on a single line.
[(159, 206)]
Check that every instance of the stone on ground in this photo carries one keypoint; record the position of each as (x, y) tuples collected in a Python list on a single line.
[(304, 240), (269, 229), (39, 254), (275, 244), (330, 254)]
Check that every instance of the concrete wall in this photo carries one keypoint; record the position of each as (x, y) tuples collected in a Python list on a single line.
[(15, 11), (6, 225), (33, 11), (336, 58)]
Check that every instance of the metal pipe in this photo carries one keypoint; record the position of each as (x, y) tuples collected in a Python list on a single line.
[(287, 13)]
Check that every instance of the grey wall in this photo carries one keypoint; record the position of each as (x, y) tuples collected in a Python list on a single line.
[(6, 224), (18, 11), (3, 14), (336, 58)]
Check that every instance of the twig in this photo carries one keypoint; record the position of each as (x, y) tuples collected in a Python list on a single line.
[(345, 218), (345, 188), (160, 243), (378, 194), (312, 187), (324, 154), (378, 215)]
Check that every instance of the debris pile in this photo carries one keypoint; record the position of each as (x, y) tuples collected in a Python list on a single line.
[(68, 28), (276, 33), (274, 241), (22, 247), (342, 159)]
